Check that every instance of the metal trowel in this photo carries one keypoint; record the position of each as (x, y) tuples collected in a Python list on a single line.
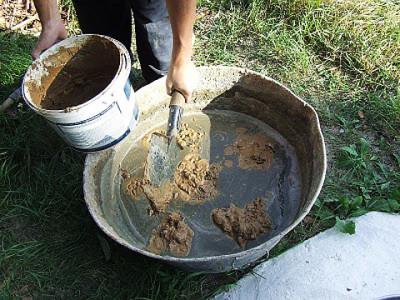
[(163, 153)]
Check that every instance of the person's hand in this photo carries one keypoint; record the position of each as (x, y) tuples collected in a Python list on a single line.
[(183, 78), (50, 35)]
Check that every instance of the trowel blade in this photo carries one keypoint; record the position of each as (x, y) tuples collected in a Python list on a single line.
[(163, 159)]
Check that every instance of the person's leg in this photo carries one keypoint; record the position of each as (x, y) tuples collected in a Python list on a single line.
[(110, 18), (153, 37)]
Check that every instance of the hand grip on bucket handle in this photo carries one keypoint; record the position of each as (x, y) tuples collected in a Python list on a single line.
[(175, 113)]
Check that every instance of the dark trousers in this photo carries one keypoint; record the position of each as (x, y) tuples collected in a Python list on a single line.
[(152, 27)]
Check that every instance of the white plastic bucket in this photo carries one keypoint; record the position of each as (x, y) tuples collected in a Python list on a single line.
[(101, 121)]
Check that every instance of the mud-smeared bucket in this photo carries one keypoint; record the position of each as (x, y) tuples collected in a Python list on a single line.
[(81, 87), (267, 164)]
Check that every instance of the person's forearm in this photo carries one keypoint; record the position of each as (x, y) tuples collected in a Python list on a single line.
[(48, 12), (182, 16)]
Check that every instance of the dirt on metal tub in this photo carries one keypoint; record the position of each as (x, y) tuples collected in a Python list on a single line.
[(81, 87), (252, 165)]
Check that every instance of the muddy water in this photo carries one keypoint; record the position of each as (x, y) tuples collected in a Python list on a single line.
[(277, 182)]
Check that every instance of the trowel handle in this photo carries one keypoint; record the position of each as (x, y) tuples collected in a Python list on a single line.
[(175, 114), (177, 98), (11, 100)]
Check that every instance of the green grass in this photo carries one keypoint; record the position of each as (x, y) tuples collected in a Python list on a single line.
[(340, 56), (15, 58)]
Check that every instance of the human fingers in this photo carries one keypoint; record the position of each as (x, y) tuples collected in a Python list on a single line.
[(182, 77), (48, 37)]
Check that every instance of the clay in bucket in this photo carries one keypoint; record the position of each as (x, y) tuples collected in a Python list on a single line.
[(81, 87), (89, 69)]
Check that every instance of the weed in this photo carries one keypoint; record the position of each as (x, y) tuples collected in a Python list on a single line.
[(346, 227)]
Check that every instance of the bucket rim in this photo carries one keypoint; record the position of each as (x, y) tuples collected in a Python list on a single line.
[(123, 54)]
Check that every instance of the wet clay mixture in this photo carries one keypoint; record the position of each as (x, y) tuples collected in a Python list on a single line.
[(159, 198), (90, 70), (255, 151), (173, 235), (146, 141), (242, 224), (134, 186), (187, 137), (196, 179)]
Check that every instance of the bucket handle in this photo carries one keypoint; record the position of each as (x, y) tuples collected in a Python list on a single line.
[(125, 64)]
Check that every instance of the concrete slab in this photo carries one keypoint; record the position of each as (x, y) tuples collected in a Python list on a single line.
[(332, 265)]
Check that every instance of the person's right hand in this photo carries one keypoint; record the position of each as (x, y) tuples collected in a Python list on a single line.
[(50, 35), (182, 77)]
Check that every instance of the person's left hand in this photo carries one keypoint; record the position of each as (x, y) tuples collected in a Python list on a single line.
[(52, 33), (183, 78)]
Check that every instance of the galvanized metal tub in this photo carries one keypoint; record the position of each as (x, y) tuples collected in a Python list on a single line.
[(229, 89)]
